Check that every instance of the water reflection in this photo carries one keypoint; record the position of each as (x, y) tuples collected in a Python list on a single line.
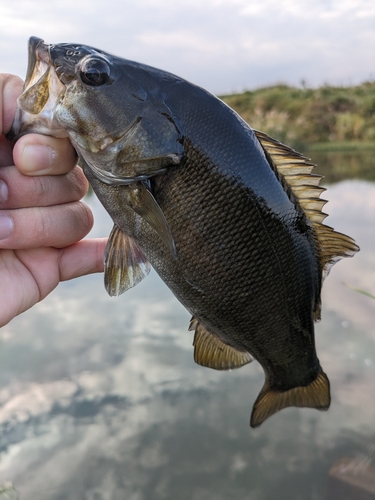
[(100, 397), (339, 165)]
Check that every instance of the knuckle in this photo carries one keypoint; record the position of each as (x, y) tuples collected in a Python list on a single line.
[(42, 187), (77, 182), (86, 216)]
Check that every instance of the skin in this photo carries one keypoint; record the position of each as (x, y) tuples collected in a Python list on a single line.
[(42, 220)]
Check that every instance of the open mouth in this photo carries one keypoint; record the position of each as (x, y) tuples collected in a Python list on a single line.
[(37, 83), (38, 54), (42, 92)]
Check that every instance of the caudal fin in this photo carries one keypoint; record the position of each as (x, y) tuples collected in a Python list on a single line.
[(315, 395)]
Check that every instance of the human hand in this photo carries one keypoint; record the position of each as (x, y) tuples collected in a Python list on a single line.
[(41, 218)]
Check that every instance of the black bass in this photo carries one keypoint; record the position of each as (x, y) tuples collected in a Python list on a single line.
[(230, 218)]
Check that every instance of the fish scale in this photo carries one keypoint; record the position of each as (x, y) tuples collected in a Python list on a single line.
[(243, 251), (229, 217)]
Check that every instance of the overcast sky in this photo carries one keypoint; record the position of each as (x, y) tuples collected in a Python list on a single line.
[(222, 45)]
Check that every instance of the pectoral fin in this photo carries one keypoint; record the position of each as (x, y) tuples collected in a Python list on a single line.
[(124, 263), (315, 395), (212, 352), (141, 201)]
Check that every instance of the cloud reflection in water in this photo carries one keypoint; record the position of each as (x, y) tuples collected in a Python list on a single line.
[(100, 397)]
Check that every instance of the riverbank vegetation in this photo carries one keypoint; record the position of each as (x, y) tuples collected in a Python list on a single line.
[(321, 119)]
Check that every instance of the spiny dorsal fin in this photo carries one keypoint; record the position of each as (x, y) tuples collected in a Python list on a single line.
[(315, 395), (212, 352), (294, 171), (124, 263)]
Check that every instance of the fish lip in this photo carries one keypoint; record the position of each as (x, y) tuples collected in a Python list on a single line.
[(34, 42), (38, 52), (42, 92), (38, 55)]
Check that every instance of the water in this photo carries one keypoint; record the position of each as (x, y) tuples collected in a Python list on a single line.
[(101, 399)]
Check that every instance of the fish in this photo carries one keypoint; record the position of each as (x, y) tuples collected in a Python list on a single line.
[(230, 218)]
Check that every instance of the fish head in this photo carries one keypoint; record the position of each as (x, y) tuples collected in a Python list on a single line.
[(108, 107)]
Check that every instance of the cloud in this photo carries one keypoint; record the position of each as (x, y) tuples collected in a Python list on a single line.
[(100, 397), (219, 45)]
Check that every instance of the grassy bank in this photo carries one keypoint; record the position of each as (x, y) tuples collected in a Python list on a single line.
[(316, 119)]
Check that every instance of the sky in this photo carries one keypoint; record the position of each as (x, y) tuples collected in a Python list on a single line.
[(223, 45)]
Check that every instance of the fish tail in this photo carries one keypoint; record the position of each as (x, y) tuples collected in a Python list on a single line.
[(315, 395)]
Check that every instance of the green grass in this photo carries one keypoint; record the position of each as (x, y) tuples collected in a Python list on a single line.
[(358, 290), (340, 116)]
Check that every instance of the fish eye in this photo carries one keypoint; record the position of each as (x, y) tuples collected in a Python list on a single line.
[(95, 72)]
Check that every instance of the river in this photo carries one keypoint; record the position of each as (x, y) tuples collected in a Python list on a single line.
[(100, 398)]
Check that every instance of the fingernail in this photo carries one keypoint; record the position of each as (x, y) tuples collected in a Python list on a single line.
[(6, 226), (3, 192), (36, 158)]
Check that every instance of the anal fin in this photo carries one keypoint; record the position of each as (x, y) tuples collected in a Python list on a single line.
[(315, 395), (124, 263), (212, 352)]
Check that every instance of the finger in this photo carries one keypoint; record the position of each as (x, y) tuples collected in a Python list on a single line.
[(85, 257), (57, 226), (10, 90), (6, 152), (40, 270), (18, 289), (49, 266), (36, 154), (20, 191)]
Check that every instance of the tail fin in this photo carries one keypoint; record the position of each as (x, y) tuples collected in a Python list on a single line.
[(315, 395)]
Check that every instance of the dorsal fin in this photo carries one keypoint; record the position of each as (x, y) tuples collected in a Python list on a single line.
[(294, 172), (212, 352)]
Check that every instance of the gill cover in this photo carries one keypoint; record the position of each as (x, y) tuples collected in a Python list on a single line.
[(123, 132)]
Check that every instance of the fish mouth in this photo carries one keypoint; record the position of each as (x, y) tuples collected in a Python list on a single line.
[(38, 56), (42, 92)]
